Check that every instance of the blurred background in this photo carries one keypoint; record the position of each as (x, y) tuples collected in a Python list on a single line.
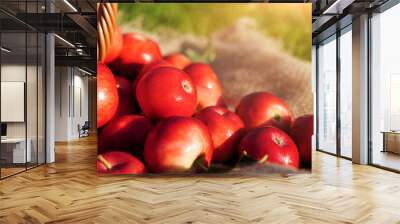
[(288, 23), (251, 46)]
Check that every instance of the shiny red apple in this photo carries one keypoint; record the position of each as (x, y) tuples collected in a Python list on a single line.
[(178, 60), (224, 127), (263, 108), (153, 65), (146, 69), (177, 144), (124, 133), (107, 95), (115, 47), (209, 89), (302, 131), (137, 51), (165, 92), (116, 162), (270, 145), (126, 98)]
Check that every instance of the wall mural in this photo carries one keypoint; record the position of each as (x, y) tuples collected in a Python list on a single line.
[(204, 88)]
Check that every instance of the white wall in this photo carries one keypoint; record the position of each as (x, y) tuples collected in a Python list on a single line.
[(61, 103), (70, 83), (81, 94)]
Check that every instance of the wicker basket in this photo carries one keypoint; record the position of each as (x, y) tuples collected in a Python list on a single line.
[(106, 24)]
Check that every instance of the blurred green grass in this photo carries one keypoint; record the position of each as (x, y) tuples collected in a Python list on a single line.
[(288, 22)]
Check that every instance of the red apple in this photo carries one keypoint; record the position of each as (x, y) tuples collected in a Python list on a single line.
[(209, 89), (137, 51), (165, 92), (153, 65), (270, 145), (126, 98), (224, 128), (107, 95), (178, 60), (115, 47), (177, 144), (116, 162), (263, 108), (124, 133), (147, 68), (302, 131)]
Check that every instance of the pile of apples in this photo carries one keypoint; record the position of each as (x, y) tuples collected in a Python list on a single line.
[(166, 115)]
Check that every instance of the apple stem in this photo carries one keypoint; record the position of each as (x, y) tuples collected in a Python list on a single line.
[(186, 86), (263, 159), (199, 164), (278, 141), (277, 117), (245, 158), (104, 161)]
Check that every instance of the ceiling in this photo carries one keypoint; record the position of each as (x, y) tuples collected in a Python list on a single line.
[(74, 22), (330, 15)]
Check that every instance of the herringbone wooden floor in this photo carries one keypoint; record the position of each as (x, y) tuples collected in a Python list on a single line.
[(70, 191)]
